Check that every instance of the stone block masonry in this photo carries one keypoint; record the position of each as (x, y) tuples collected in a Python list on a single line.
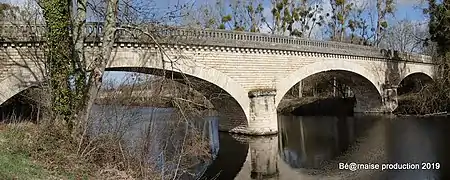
[(250, 72)]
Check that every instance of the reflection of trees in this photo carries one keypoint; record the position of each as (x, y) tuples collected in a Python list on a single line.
[(306, 142), (230, 159)]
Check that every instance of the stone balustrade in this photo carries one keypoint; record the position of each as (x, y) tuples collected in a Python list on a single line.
[(219, 38)]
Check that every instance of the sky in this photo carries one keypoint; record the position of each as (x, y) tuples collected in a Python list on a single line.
[(405, 8)]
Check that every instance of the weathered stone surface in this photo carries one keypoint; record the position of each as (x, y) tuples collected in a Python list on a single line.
[(252, 72)]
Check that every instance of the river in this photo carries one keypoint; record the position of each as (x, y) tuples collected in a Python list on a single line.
[(313, 147)]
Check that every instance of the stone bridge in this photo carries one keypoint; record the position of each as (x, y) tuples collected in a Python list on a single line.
[(245, 75)]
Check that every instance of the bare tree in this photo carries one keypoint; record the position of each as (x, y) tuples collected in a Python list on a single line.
[(406, 36), (73, 80)]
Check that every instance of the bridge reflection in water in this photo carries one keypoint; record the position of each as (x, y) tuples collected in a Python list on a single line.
[(307, 142), (311, 147), (302, 143)]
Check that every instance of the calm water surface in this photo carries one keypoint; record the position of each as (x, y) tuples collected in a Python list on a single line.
[(312, 147)]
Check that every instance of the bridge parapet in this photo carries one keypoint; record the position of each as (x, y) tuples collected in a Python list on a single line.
[(209, 37)]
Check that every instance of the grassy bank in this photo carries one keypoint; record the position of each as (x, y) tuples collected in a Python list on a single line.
[(38, 151), (24, 155), (16, 163)]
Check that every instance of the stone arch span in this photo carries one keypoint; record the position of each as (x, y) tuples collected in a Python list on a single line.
[(419, 74), (233, 103), (413, 82), (12, 85), (365, 85)]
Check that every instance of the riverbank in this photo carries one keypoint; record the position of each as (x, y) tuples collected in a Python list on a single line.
[(155, 102), (47, 148), (414, 105), (310, 106), (26, 156), (16, 160)]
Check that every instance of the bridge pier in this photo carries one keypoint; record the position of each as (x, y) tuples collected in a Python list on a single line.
[(262, 119), (390, 101), (263, 114), (262, 159)]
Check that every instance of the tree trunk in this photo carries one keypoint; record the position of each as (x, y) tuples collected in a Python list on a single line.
[(379, 19), (59, 61), (102, 61), (78, 52)]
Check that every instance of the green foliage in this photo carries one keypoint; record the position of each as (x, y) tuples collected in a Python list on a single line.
[(340, 18), (226, 18), (384, 8), (340, 2), (340, 21), (59, 59), (440, 33), (288, 13), (15, 159), (439, 26), (384, 24), (210, 23), (435, 97)]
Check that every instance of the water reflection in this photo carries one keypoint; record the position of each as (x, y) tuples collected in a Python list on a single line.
[(159, 135), (415, 141), (245, 158), (306, 142), (230, 159), (312, 147), (264, 157), (318, 144)]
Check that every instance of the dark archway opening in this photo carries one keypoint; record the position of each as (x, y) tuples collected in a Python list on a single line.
[(231, 114), (413, 83), (167, 131), (334, 92), (23, 106), (224, 167), (409, 97), (199, 94)]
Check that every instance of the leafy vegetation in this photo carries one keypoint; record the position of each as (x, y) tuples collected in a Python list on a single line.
[(72, 84), (435, 97)]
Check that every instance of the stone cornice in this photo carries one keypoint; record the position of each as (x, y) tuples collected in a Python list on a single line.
[(220, 40), (241, 50)]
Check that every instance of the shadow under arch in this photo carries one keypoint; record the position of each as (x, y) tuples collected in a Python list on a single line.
[(413, 82), (20, 106), (12, 85), (232, 104), (366, 93), (232, 114), (286, 83)]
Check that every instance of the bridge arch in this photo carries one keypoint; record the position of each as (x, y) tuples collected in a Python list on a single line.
[(13, 85), (233, 106), (413, 82), (424, 73), (367, 90), (414, 78)]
